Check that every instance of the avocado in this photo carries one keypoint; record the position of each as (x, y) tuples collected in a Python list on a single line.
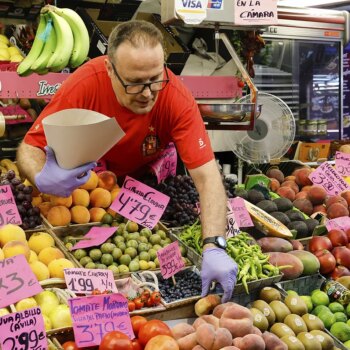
[(280, 329), (241, 192), (325, 339), (267, 205), (281, 217), (259, 319), (296, 323), (296, 304), (295, 215), (300, 227), (269, 293), (264, 307), (309, 341), (280, 309), (292, 342), (312, 322), (311, 224), (283, 204), (255, 196)]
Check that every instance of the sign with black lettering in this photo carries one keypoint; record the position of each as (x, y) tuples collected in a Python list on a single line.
[(255, 12)]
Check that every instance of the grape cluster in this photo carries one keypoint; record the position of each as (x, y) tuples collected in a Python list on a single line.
[(23, 196)]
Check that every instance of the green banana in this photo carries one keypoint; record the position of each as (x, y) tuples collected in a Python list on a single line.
[(64, 44), (80, 33), (49, 48), (24, 67)]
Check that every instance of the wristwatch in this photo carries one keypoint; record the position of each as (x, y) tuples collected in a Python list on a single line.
[(219, 241)]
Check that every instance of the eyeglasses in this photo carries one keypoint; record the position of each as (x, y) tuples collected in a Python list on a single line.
[(138, 88)]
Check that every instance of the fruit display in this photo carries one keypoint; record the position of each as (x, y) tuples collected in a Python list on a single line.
[(88, 203), (8, 52), (61, 40)]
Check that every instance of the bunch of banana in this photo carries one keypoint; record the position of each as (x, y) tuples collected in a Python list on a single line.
[(8, 164), (61, 40)]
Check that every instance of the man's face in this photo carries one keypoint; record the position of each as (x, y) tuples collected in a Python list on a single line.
[(136, 65)]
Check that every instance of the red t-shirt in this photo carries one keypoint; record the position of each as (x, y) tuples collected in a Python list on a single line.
[(174, 118)]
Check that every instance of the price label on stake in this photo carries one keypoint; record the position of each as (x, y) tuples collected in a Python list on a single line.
[(342, 163), (327, 177), (170, 260), (166, 164), (140, 203), (241, 213), (23, 330), (96, 315), (85, 281), (96, 236), (17, 280), (8, 209), (232, 228)]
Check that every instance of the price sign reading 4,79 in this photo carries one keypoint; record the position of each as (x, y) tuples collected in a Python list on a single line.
[(23, 330), (17, 280), (140, 203), (327, 177), (170, 260)]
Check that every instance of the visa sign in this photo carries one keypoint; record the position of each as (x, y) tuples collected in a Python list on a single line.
[(193, 4)]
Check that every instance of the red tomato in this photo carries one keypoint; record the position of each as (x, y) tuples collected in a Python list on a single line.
[(337, 237), (152, 328), (327, 261), (131, 305), (149, 303), (138, 303), (319, 242), (241, 84), (145, 295), (342, 256), (136, 344), (115, 340), (70, 345), (340, 271), (155, 297), (137, 322)]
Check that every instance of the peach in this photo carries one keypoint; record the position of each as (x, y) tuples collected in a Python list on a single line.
[(335, 199), (274, 185), (91, 183), (107, 180), (319, 209), (44, 208), (289, 178), (306, 188), (81, 197), (301, 194), (286, 192), (302, 176), (292, 185), (100, 197), (317, 194), (36, 201), (346, 196), (115, 192), (275, 173), (66, 201), (96, 214), (80, 214), (59, 216), (337, 210), (304, 205)]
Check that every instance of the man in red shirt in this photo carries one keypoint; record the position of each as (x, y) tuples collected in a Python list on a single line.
[(153, 108)]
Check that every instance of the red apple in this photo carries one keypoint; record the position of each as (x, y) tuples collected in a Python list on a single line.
[(342, 256), (319, 242), (340, 271), (338, 237), (327, 261)]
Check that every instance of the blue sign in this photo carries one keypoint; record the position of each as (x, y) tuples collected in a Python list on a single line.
[(215, 4)]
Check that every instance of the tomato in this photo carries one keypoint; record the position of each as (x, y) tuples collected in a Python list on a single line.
[(137, 322), (115, 340), (337, 237), (152, 328), (70, 345), (131, 305), (145, 295), (162, 342), (327, 261), (241, 84), (96, 292), (149, 303), (319, 242), (155, 297), (136, 345), (138, 303)]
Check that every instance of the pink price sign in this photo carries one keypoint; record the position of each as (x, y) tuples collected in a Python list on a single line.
[(170, 260), (232, 228), (342, 163), (8, 209), (341, 223), (94, 316), (85, 281), (166, 164), (17, 280), (140, 203), (23, 330), (95, 237), (327, 177), (241, 213)]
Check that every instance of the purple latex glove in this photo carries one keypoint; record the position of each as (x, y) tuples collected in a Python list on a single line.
[(61, 182), (218, 266)]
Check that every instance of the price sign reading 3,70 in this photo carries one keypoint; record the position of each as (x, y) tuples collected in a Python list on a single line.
[(140, 203)]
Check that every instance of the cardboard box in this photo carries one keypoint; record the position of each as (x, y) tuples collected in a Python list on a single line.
[(312, 152)]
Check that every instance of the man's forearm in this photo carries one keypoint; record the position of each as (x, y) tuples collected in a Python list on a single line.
[(213, 201), (30, 161)]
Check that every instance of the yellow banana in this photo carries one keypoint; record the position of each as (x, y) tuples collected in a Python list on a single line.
[(80, 34), (38, 44), (64, 44), (48, 50), (9, 165)]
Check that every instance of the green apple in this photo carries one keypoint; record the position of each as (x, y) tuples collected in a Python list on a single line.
[(47, 300), (60, 317)]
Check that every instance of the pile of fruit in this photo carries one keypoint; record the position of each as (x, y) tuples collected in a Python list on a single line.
[(9, 52)]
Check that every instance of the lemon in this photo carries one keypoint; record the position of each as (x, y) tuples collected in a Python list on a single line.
[(40, 240), (319, 297), (40, 270), (4, 311), (47, 323), (11, 232), (144, 265), (26, 303), (57, 266), (33, 256)]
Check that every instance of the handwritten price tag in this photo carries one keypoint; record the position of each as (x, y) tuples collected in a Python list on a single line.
[(96, 236), (327, 177), (342, 223), (170, 260), (17, 280), (255, 12), (342, 163), (23, 330), (8, 209), (140, 203), (86, 280), (94, 316), (232, 228), (241, 213), (166, 164)]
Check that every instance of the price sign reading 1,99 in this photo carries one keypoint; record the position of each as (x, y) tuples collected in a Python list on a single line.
[(140, 203), (23, 330)]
